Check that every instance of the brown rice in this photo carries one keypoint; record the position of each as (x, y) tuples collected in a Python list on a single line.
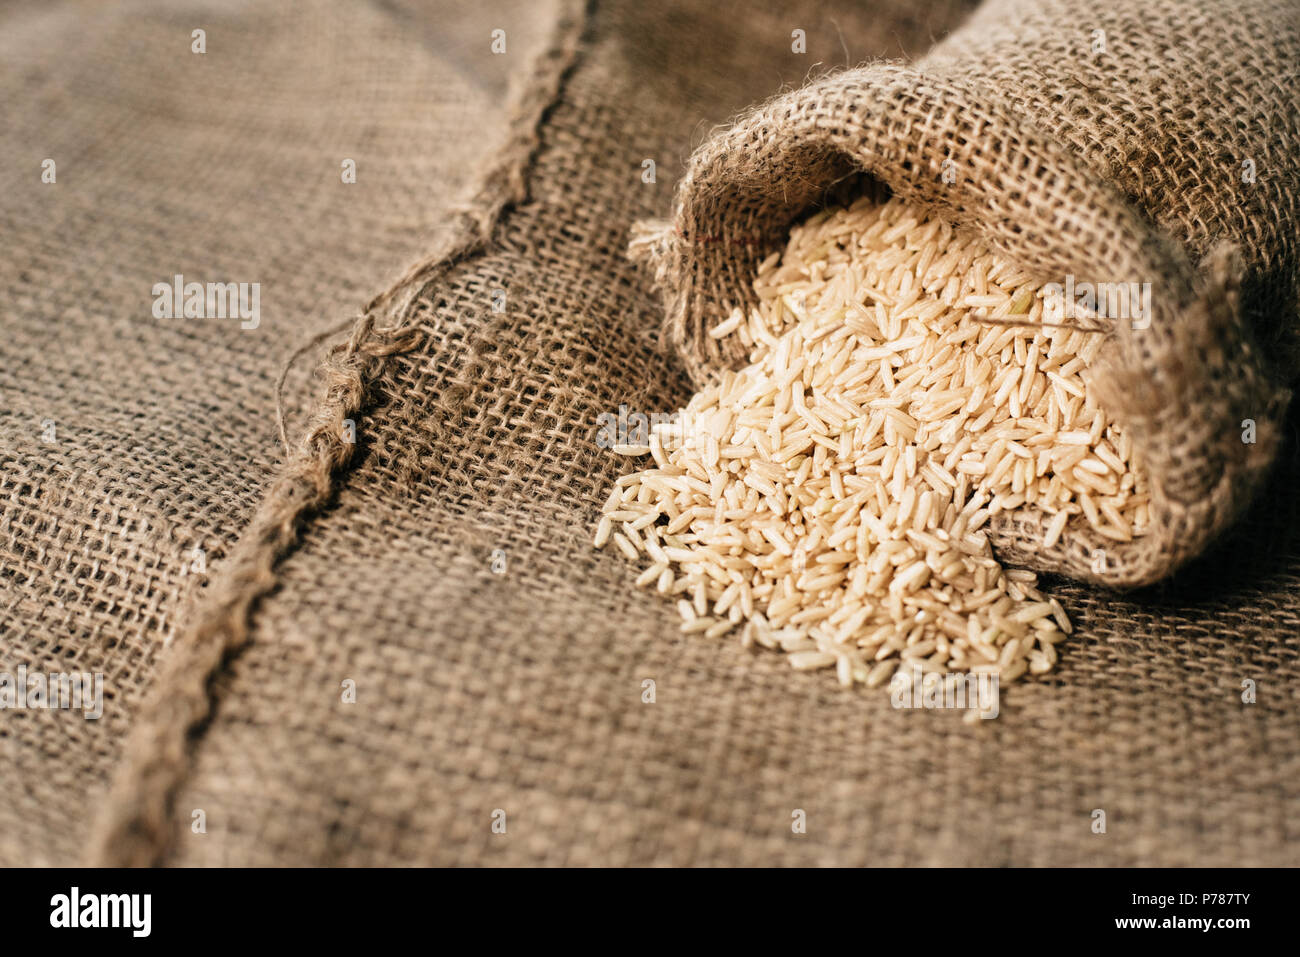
[(830, 498)]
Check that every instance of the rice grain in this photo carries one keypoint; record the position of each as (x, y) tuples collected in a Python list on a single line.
[(829, 497)]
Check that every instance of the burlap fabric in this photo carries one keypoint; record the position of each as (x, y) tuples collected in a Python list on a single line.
[(1124, 143), (442, 564), (127, 441)]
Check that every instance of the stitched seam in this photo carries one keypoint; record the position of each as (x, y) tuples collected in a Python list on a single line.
[(135, 827)]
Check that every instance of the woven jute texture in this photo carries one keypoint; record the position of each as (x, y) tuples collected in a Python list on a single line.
[(413, 641), (128, 441), (408, 639), (1126, 143)]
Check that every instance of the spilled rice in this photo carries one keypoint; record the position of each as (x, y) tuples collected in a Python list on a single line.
[(830, 500)]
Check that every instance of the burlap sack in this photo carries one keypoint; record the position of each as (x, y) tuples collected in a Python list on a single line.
[(1118, 143), (442, 566)]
